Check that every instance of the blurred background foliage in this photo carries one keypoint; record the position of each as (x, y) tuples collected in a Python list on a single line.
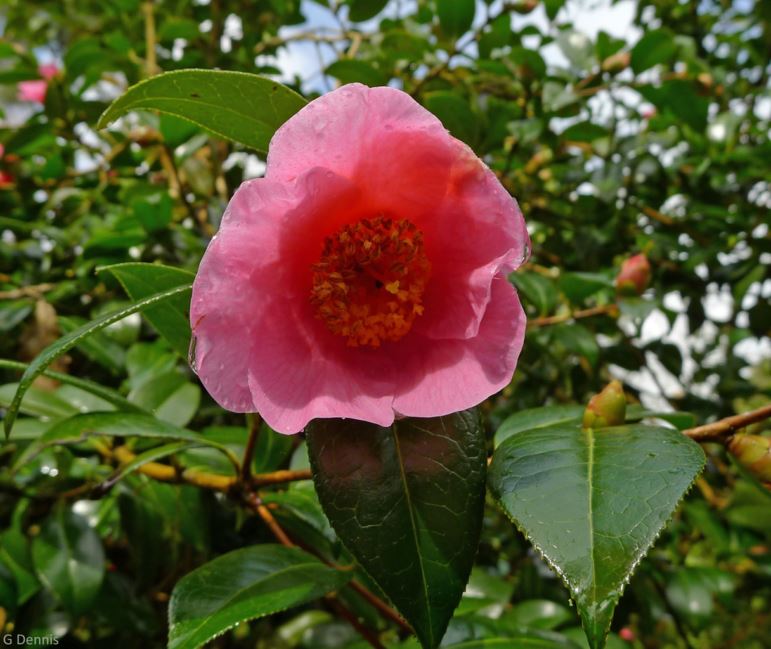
[(621, 128)]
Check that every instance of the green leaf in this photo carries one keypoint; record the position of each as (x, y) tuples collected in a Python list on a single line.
[(77, 429), (170, 318), (584, 132), (455, 113), (579, 286), (608, 494), (244, 108), (243, 585), (69, 559), (537, 418), (537, 614), (657, 46), (524, 639), (67, 342), (538, 290), (455, 16), (361, 10), (680, 99), (407, 502), (352, 71), (577, 339)]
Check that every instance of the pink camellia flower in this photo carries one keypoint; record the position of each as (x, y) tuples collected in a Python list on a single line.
[(365, 275), (36, 90)]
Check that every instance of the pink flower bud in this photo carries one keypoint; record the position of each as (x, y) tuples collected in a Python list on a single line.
[(607, 408), (634, 276)]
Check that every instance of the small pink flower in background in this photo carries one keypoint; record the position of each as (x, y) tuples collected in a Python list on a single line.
[(36, 90), (365, 275)]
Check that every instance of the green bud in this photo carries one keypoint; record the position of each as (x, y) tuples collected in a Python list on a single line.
[(754, 453), (608, 408)]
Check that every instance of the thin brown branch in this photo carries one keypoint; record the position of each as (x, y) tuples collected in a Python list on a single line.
[(384, 609), (254, 420), (607, 309), (281, 476), (35, 290), (151, 61), (341, 610), (724, 427), (255, 504)]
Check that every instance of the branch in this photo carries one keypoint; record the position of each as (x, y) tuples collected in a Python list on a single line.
[(255, 504), (35, 290), (254, 421), (728, 426), (607, 309), (150, 58)]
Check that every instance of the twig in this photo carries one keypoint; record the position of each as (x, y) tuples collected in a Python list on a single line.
[(34, 290), (151, 61), (607, 309), (728, 426), (255, 504), (340, 609), (378, 604), (278, 477), (254, 421)]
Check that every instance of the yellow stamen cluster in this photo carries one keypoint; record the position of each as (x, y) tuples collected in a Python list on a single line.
[(369, 282)]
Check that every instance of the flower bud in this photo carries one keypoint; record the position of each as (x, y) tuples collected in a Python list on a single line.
[(754, 453), (525, 6), (608, 408), (616, 62), (634, 276)]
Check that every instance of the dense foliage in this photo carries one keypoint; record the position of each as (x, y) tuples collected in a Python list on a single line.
[(121, 476)]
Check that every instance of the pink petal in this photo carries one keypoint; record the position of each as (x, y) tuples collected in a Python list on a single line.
[(300, 372), (343, 125), (438, 377)]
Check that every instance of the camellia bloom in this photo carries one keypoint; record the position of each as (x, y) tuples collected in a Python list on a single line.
[(36, 90), (365, 275)]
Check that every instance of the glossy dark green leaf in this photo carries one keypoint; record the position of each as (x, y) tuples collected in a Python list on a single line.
[(657, 46), (117, 424), (584, 132), (576, 338), (407, 503), (360, 10), (455, 16), (455, 113), (244, 108), (171, 318), (524, 639), (537, 290), (593, 502), (537, 614), (352, 70), (537, 418), (679, 99), (243, 585), (579, 286), (69, 559), (67, 342)]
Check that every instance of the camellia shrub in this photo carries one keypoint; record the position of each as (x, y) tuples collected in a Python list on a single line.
[(385, 324)]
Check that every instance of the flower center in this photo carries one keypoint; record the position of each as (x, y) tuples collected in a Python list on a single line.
[(369, 282)]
